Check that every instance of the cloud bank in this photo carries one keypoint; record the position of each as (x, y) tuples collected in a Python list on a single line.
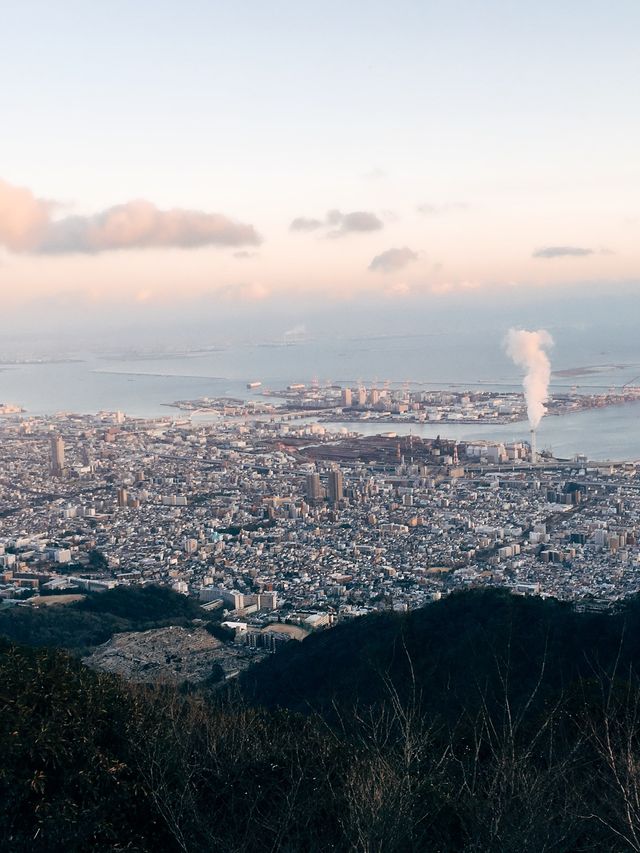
[(393, 260), (339, 224), (562, 252), (27, 225)]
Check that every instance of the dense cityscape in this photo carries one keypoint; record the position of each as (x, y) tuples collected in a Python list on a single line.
[(405, 404), (274, 522)]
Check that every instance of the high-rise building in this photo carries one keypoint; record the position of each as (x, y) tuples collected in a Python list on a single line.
[(267, 601), (336, 487), (314, 489), (374, 396), (362, 396), (347, 398), (123, 497), (57, 455)]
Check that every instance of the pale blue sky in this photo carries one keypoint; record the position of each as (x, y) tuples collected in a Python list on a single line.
[(518, 122), (100, 97)]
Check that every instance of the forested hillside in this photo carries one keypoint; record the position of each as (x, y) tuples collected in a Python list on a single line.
[(482, 723), (81, 626)]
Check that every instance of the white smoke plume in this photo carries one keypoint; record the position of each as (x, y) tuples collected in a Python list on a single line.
[(527, 350)]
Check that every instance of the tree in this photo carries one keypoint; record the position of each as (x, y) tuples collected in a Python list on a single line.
[(97, 560)]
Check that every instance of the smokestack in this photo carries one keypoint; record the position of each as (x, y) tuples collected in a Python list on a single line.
[(527, 350)]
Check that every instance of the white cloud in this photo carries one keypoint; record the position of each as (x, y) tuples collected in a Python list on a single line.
[(393, 260), (27, 225), (339, 224), (562, 252)]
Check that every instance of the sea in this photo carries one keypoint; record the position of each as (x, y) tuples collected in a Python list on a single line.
[(145, 382)]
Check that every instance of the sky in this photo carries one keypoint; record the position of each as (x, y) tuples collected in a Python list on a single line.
[(260, 164)]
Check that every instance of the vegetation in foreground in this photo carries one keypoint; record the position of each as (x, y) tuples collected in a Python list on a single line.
[(83, 625), (522, 733)]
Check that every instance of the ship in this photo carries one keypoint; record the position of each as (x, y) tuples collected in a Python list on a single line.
[(253, 384)]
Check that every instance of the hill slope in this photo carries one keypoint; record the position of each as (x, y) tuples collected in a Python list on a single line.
[(483, 723), (450, 654), (82, 625)]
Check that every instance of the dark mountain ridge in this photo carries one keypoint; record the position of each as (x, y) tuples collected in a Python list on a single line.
[(485, 722), (448, 654)]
